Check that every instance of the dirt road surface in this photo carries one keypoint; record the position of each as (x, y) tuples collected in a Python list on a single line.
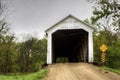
[(78, 71)]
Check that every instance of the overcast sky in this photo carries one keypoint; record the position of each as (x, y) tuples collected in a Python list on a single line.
[(35, 16)]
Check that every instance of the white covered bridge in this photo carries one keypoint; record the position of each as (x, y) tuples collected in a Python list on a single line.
[(70, 38)]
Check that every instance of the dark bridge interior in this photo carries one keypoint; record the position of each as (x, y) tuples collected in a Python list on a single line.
[(72, 44)]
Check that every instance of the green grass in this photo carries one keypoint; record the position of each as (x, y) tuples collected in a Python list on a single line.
[(32, 76), (112, 70)]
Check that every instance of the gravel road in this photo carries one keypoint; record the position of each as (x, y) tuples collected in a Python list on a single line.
[(78, 71)]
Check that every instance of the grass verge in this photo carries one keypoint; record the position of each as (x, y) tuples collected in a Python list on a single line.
[(32, 76), (112, 70)]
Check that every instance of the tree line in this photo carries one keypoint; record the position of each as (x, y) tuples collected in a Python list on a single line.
[(106, 21), (25, 56)]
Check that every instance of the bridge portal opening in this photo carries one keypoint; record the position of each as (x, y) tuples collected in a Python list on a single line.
[(71, 44)]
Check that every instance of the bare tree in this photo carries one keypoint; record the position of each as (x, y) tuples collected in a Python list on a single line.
[(3, 10)]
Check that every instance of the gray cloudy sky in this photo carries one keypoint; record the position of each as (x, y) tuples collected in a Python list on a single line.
[(35, 16)]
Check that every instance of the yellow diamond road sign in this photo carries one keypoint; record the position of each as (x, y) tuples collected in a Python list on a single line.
[(103, 48)]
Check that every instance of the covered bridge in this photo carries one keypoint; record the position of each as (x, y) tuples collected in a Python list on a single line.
[(70, 38)]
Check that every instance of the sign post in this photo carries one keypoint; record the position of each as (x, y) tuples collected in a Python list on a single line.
[(103, 48)]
